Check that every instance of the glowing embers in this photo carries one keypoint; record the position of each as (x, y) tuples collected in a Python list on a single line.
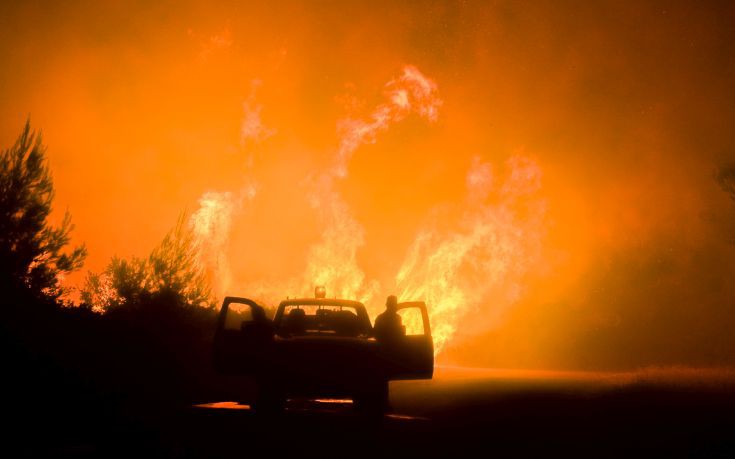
[(223, 406), (321, 406)]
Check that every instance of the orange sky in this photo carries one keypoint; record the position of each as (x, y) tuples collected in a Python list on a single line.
[(622, 256)]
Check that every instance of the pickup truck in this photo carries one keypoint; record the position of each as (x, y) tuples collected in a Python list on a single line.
[(320, 347)]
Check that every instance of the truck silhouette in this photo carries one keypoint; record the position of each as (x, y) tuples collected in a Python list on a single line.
[(319, 347)]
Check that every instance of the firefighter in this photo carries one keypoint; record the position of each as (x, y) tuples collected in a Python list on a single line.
[(388, 324)]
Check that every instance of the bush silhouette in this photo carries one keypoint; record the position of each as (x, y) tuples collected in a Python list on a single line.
[(32, 259), (152, 346), (170, 274)]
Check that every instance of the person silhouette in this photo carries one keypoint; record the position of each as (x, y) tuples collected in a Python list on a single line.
[(388, 325)]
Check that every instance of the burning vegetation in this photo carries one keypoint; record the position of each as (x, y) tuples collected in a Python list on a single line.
[(474, 263)]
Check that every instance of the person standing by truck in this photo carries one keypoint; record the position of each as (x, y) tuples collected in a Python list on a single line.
[(389, 325)]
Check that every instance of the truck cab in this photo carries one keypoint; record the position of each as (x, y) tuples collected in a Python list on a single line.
[(320, 347)]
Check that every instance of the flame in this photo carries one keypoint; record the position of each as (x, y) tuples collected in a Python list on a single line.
[(332, 262), (483, 260), (211, 225)]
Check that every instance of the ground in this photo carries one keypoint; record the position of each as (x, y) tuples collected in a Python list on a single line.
[(675, 412)]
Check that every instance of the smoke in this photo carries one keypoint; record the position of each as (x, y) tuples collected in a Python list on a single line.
[(252, 129), (411, 92), (726, 179), (482, 261), (210, 45)]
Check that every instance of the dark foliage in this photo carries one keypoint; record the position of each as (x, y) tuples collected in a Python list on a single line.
[(31, 249), (72, 373), (80, 368), (171, 271)]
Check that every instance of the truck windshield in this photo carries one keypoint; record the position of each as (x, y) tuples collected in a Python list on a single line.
[(299, 320)]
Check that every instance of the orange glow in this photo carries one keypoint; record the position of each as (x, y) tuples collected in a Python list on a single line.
[(542, 178)]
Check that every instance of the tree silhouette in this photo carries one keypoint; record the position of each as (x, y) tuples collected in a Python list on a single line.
[(171, 271), (32, 259)]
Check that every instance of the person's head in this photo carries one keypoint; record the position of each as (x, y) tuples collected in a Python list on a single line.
[(391, 303)]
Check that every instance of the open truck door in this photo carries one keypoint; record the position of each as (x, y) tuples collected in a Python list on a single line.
[(243, 338), (415, 353)]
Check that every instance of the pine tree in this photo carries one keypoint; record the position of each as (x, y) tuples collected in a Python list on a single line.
[(32, 256)]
